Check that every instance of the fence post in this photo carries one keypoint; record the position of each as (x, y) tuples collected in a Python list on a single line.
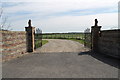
[(30, 37), (95, 36)]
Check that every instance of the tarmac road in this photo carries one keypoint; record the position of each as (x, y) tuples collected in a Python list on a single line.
[(61, 59)]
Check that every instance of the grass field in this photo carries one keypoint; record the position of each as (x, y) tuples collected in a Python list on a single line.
[(79, 37), (63, 36)]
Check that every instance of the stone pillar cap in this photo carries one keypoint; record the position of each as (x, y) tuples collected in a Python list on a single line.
[(96, 24), (29, 23)]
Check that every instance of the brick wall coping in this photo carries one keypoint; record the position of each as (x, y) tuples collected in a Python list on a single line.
[(110, 30), (12, 31)]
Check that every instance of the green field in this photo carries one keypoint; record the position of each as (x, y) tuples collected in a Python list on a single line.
[(63, 36), (79, 37)]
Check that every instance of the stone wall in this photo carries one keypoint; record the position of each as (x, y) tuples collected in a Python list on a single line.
[(13, 43), (109, 42)]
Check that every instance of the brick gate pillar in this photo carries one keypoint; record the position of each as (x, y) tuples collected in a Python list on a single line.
[(30, 37), (95, 30)]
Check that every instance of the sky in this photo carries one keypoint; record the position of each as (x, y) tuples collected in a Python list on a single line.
[(61, 15)]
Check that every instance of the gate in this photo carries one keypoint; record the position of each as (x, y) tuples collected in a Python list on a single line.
[(38, 38), (87, 38)]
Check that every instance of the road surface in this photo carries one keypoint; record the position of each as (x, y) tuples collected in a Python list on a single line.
[(61, 59)]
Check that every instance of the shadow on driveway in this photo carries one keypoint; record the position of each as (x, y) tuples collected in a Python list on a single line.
[(104, 58)]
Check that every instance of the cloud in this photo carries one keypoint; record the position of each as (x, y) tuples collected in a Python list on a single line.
[(61, 15), (55, 6), (80, 23), (71, 23)]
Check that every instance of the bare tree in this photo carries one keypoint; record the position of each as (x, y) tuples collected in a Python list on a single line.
[(3, 19), (87, 30), (1, 12)]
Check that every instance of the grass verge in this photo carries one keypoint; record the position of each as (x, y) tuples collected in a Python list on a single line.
[(38, 43), (80, 41), (44, 42)]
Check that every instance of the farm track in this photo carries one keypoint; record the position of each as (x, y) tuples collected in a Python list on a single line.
[(58, 45)]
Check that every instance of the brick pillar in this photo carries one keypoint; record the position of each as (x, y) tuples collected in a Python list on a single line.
[(95, 36), (30, 37)]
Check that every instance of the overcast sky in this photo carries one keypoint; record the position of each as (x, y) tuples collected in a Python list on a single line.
[(61, 15)]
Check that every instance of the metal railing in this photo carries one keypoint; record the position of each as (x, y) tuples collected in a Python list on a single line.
[(38, 38), (87, 38)]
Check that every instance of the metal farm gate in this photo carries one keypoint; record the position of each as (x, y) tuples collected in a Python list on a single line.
[(87, 38), (38, 38)]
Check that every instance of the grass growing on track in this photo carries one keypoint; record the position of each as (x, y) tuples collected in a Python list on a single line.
[(44, 42)]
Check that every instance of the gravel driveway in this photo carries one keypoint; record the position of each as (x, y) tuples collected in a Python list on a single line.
[(58, 45), (61, 59)]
